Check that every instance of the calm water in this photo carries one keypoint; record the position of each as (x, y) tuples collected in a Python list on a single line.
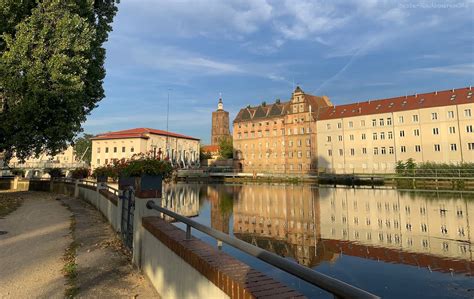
[(390, 243)]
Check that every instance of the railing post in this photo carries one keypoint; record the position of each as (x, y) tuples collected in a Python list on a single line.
[(188, 232)]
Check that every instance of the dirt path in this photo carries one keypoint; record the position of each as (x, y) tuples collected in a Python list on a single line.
[(103, 270), (31, 251)]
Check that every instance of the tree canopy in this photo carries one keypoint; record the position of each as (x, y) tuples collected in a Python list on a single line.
[(226, 148), (83, 148), (51, 71)]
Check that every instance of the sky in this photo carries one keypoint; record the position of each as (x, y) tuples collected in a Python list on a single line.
[(250, 51)]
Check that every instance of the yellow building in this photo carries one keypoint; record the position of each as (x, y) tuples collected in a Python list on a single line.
[(182, 150), (279, 137), (370, 137)]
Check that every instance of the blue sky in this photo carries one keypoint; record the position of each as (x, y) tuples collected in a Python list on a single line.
[(256, 50)]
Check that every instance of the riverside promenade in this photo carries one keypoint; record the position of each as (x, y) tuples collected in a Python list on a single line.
[(36, 237)]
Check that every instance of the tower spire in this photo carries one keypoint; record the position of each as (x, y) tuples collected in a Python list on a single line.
[(220, 104)]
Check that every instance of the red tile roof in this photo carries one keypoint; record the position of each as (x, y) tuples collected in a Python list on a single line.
[(403, 103), (213, 148), (139, 133)]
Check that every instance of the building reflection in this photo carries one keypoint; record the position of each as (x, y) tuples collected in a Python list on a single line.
[(182, 199), (312, 225), (315, 225)]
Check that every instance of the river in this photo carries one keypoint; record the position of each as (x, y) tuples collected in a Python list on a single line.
[(391, 243)]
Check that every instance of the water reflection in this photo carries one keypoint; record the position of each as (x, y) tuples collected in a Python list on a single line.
[(313, 225)]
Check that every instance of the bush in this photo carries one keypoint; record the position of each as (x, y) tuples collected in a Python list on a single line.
[(103, 171), (18, 172), (147, 166), (55, 172), (80, 173)]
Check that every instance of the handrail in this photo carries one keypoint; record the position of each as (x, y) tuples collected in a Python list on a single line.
[(332, 285)]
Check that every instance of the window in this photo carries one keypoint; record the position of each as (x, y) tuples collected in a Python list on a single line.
[(390, 150), (329, 153), (437, 147), (115, 149), (106, 150), (417, 148), (453, 147), (452, 130), (329, 139), (363, 136), (381, 121), (400, 119), (98, 161), (98, 150), (352, 152), (351, 124), (469, 129), (403, 149), (362, 123), (416, 132), (450, 114), (389, 121), (470, 146), (390, 135), (341, 152), (340, 137), (106, 161), (382, 136), (351, 137), (415, 118), (434, 116), (435, 131), (364, 150), (383, 150), (339, 125), (374, 136), (374, 122), (467, 112), (123, 149), (402, 133), (376, 150), (132, 149), (328, 126)]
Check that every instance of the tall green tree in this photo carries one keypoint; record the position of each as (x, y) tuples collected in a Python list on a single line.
[(83, 148), (226, 148), (51, 71)]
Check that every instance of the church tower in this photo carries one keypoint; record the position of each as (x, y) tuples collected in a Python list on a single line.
[(220, 124)]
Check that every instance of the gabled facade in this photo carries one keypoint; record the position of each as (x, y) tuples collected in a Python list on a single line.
[(279, 137)]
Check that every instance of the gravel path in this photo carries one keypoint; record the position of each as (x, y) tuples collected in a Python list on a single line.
[(104, 270), (31, 251)]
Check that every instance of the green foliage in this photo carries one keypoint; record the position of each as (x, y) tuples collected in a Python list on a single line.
[(55, 172), (226, 148), (18, 172), (80, 173), (51, 71), (203, 155), (147, 166), (104, 171), (400, 167), (83, 148), (410, 165), (433, 169)]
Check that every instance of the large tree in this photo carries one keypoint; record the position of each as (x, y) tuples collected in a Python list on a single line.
[(83, 148), (51, 71)]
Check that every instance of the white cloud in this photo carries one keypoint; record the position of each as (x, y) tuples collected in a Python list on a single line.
[(455, 69)]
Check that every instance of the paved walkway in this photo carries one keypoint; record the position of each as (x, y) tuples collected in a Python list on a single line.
[(31, 251), (38, 235)]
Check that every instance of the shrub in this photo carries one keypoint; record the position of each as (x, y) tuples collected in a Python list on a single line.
[(103, 171), (55, 172), (147, 166), (80, 173), (18, 172)]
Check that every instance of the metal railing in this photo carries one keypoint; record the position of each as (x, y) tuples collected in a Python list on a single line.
[(46, 164), (338, 288)]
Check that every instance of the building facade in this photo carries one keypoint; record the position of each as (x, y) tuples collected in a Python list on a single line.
[(220, 124), (183, 151), (279, 137), (370, 137)]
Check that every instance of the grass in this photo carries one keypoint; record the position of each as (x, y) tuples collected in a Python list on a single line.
[(70, 265), (9, 202)]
